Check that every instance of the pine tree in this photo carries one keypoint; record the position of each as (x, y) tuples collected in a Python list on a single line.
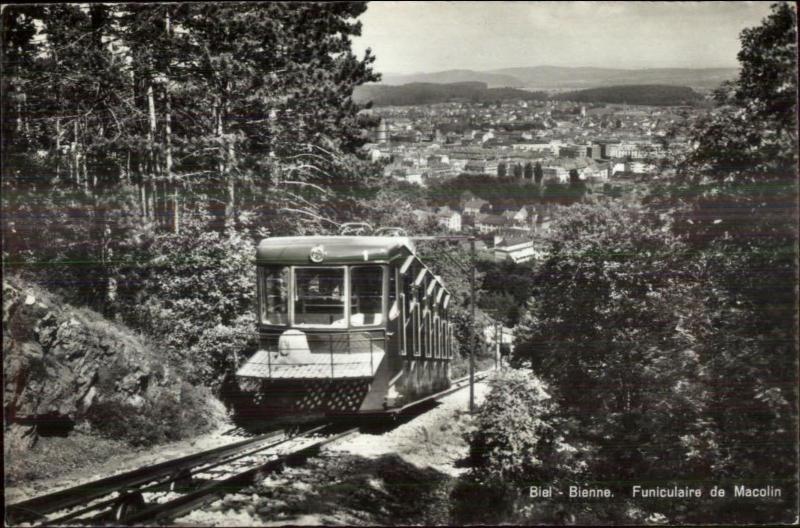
[(502, 169), (278, 79), (538, 173), (528, 173), (18, 52)]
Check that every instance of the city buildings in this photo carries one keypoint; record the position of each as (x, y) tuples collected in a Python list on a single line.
[(601, 143)]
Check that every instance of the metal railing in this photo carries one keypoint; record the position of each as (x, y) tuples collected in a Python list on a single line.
[(337, 344)]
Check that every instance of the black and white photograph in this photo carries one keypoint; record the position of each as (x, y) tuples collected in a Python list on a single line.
[(387, 263)]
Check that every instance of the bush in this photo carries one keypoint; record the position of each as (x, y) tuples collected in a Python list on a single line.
[(167, 416), (518, 442), (459, 366), (218, 349), (194, 293), (511, 425)]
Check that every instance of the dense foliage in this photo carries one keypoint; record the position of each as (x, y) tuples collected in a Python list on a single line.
[(505, 289), (180, 106), (630, 323), (519, 442), (751, 138), (193, 294), (503, 192), (617, 328)]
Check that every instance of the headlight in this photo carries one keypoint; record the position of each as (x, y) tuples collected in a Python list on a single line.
[(317, 254)]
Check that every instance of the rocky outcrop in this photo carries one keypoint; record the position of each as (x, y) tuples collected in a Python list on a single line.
[(59, 361)]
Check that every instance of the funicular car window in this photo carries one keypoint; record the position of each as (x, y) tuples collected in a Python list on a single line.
[(407, 323), (274, 295), (319, 297), (424, 336), (394, 308), (366, 295)]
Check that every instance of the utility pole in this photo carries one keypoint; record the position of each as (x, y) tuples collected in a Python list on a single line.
[(472, 328), (498, 339)]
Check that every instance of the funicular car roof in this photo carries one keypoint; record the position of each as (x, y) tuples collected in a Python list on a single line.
[(338, 249)]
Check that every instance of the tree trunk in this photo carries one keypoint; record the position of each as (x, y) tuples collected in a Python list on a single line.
[(172, 186), (85, 166), (151, 133), (137, 171), (82, 149), (231, 160), (76, 166), (222, 154), (58, 148), (175, 221), (85, 172), (20, 130), (142, 191), (151, 203)]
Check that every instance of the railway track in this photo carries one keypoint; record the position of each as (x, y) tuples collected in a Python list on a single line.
[(161, 492)]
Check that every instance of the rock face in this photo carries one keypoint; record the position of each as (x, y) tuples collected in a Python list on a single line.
[(58, 361)]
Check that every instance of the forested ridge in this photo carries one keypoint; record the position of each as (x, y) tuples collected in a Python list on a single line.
[(428, 93), (646, 94)]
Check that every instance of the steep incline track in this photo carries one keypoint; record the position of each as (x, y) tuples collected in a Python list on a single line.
[(158, 493)]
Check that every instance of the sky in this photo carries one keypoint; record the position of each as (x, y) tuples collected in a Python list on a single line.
[(412, 37)]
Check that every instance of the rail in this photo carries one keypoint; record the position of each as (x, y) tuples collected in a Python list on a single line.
[(38, 507), (121, 498), (209, 492), (455, 385)]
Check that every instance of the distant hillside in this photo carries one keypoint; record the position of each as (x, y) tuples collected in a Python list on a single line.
[(428, 93), (563, 78), (502, 94), (557, 77), (454, 76), (645, 94)]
